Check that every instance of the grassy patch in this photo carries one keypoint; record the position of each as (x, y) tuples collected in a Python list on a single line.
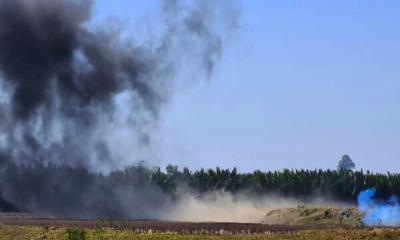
[(75, 234), (16, 233)]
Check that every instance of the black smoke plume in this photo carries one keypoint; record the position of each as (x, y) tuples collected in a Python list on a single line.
[(70, 94)]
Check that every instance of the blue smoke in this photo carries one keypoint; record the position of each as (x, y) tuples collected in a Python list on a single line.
[(378, 212)]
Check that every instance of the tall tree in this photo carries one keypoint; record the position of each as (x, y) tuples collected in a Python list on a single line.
[(346, 164)]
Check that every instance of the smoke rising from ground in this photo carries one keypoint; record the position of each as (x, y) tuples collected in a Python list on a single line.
[(219, 206), (223, 207), (85, 98), (67, 90), (378, 212)]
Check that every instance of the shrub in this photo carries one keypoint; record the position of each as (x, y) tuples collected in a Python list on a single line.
[(75, 234)]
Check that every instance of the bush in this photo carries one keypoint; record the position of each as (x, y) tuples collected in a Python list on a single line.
[(75, 234)]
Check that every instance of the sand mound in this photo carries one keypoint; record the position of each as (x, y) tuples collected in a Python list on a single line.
[(315, 216)]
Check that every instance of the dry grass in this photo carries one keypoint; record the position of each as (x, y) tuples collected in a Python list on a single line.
[(18, 232)]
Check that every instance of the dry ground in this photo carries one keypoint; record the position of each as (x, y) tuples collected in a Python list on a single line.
[(163, 226), (301, 223), (314, 216), (55, 233)]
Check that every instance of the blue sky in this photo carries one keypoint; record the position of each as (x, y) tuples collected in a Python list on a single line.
[(300, 84)]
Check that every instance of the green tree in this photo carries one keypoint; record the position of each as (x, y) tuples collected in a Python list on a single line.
[(346, 164)]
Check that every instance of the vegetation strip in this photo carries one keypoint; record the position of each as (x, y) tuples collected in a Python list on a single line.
[(56, 233)]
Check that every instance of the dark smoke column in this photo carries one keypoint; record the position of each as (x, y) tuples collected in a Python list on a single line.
[(61, 79), (61, 83), (69, 94)]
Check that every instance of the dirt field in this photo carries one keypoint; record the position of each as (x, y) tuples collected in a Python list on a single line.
[(163, 226), (22, 226), (314, 216), (21, 219), (14, 232)]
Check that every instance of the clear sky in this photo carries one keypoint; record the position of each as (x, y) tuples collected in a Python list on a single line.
[(302, 83)]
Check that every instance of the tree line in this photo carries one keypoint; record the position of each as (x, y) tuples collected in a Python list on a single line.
[(344, 185), (47, 186)]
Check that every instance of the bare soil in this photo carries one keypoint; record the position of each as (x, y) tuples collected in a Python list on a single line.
[(314, 216), (160, 226)]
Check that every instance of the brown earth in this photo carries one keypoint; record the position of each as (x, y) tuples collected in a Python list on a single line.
[(275, 221), (302, 215), (160, 226)]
